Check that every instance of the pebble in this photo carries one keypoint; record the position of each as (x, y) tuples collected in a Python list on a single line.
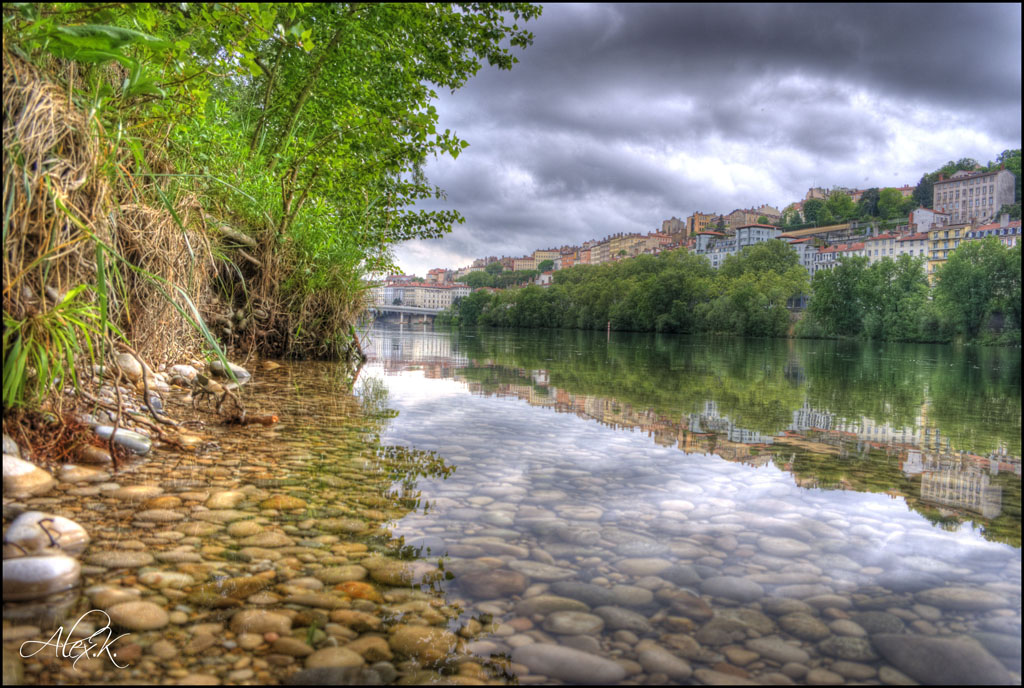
[(138, 615), (24, 479), (573, 623), (658, 660), (948, 660), (426, 644), (30, 578), (568, 664)]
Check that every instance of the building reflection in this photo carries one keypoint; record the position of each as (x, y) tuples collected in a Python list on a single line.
[(944, 478)]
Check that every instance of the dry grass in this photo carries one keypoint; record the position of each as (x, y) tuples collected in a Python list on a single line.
[(68, 189)]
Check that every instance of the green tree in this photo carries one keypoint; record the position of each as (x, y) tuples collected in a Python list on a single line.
[(837, 297), (980, 279), (840, 205), (494, 268), (890, 202), (867, 206), (1010, 159), (762, 219), (545, 265), (813, 209)]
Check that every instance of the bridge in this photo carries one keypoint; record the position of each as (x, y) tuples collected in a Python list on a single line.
[(405, 313)]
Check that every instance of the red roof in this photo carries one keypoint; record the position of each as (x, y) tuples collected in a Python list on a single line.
[(996, 225), (883, 236), (920, 236)]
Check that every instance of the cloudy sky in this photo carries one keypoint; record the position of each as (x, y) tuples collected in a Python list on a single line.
[(621, 116)]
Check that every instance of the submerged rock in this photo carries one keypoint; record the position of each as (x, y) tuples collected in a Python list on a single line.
[(38, 533), (29, 578), (567, 664), (132, 441), (947, 661), (23, 479)]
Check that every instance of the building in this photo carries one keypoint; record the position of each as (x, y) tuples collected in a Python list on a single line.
[(673, 226), (926, 219), (1007, 232), (881, 246), (973, 197), (912, 244), (828, 257), (805, 251), (524, 263), (942, 242), (698, 222), (547, 254)]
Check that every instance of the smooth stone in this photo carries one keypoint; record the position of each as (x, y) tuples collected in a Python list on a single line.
[(267, 539), (341, 574), (283, 502), (217, 368), (541, 572), (778, 650), (119, 559), (804, 626), (710, 677), (547, 604), (69, 473), (36, 532), (681, 575), (334, 657), (642, 566), (379, 674), (853, 670), (260, 621), (166, 579), (959, 660), (24, 479), (139, 493), (962, 599), (657, 660), (426, 644), (617, 618), (686, 603), (10, 446), (783, 547), (588, 593), (846, 627), (573, 623), (138, 615), (159, 515), (241, 529), (492, 583), (29, 578), (568, 664), (849, 648), (134, 442), (403, 573), (733, 588), (225, 500), (91, 454), (130, 366), (819, 676), (293, 647), (186, 371), (878, 622)]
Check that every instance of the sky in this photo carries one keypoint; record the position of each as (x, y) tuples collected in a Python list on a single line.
[(621, 116)]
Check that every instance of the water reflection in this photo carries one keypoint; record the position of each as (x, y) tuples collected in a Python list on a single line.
[(884, 419)]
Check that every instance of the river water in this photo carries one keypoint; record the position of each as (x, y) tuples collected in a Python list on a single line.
[(544, 507)]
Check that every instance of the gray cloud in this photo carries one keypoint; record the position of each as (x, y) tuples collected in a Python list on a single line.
[(620, 116)]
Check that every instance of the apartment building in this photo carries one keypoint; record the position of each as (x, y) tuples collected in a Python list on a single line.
[(913, 244), (973, 197), (942, 242), (926, 219), (698, 222), (1006, 231)]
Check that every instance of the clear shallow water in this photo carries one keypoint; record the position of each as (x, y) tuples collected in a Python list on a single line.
[(544, 507), (752, 490)]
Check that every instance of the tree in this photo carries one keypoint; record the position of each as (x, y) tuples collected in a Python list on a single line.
[(867, 206), (545, 265), (813, 209), (837, 297), (840, 205), (1010, 159), (494, 268), (980, 278), (890, 202), (762, 219)]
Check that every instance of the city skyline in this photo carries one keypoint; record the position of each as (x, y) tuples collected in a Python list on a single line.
[(619, 117)]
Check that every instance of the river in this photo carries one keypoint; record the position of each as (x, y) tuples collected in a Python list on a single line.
[(537, 507)]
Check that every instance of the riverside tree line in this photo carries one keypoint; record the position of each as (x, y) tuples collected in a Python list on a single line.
[(976, 297)]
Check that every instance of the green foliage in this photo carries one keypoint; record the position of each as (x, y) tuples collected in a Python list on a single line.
[(867, 206), (494, 268), (840, 206), (307, 125), (924, 191), (545, 265), (814, 210), (981, 280), (40, 350), (671, 292), (890, 202)]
